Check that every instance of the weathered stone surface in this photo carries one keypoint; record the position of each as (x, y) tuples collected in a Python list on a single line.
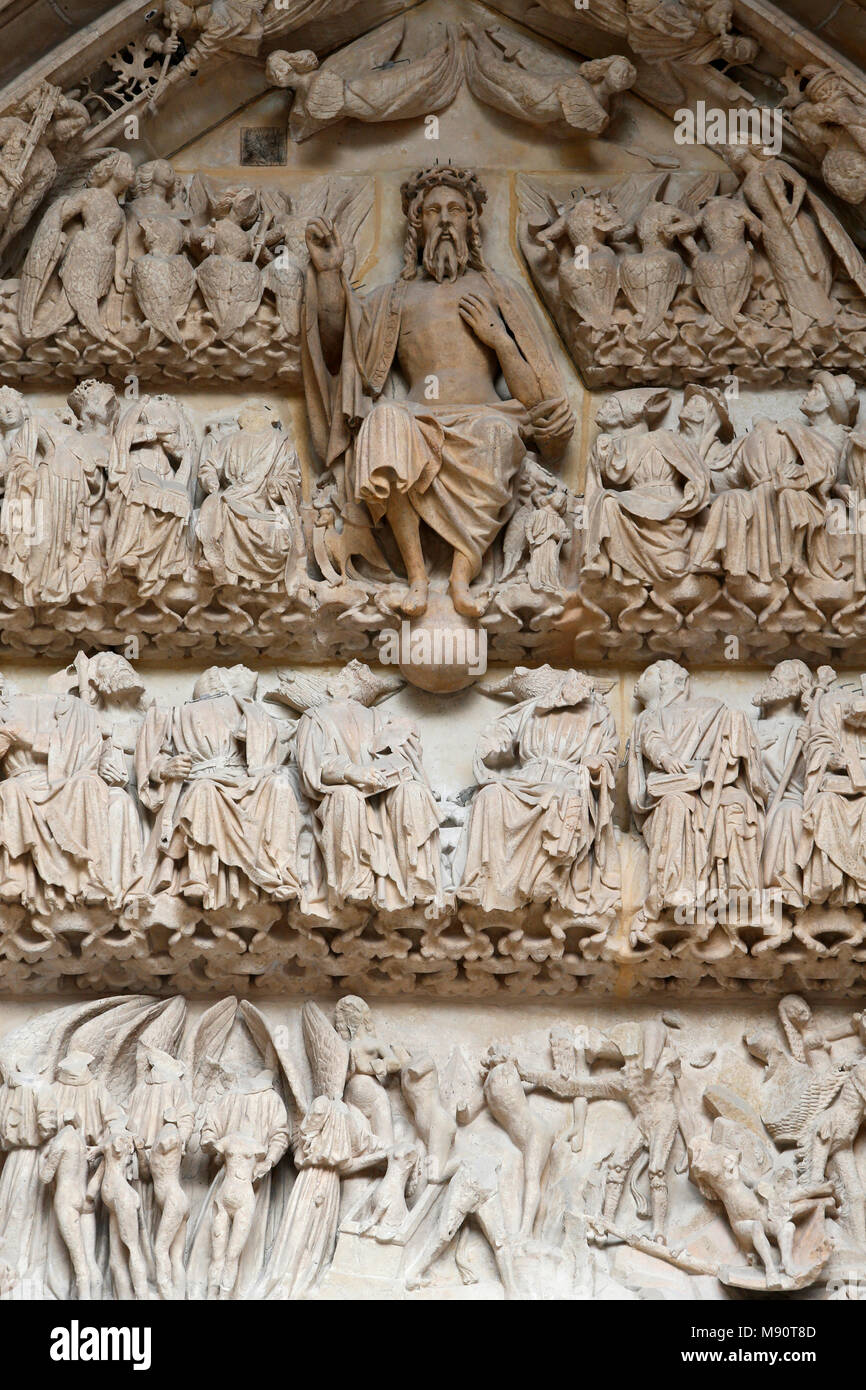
[(431, 574), (734, 1128)]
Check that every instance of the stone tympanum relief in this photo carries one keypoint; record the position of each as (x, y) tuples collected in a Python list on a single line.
[(355, 650), (181, 279), (693, 276), (695, 530), (750, 823), (127, 518), (152, 838), (131, 517), (43, 127), (159, 1150), (661, 278), (418, 62), (448, 454), (378, 78), (540, 825), (287, 829), (170, 45), (828, 114), (755, 63), (668, 37)]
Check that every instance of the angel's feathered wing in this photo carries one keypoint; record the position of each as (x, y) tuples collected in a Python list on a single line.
[(206, 1042), (125, 1063), (649, 282), (349, 207), (632, 195), (794, 1097), (722, 284), (813, 1100), (848, 254), (231, 292), (163, 290), (198, 197), (43, 1040), (690, 191), (538, 211), (299, 690), (73, 168), (327, 1053), (348, 203), (580, 105), (539, 208), (590, 292), (46, 248), (296, 1087), (104, 1035)]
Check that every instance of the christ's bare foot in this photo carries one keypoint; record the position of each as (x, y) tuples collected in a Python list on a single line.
[(415, 602), (463, 601)]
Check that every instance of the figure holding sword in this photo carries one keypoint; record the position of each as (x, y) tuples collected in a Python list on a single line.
[(834, 798), (784, 701), (697, 791)]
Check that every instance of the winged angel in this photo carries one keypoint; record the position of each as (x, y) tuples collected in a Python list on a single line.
[(112, 250), (69, 1079), (183, 1102), (78, 255), (539, 85), (370, 80), (331, 1139), (654, 240)]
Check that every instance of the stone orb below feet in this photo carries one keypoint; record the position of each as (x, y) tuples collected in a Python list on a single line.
[(441, 651)]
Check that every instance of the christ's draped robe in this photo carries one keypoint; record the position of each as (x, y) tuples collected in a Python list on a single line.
[(454, 464)]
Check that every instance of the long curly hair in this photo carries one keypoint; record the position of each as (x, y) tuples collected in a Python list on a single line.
[(415, 190)]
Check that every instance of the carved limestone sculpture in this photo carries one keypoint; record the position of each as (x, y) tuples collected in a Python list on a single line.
[(249, 526), (151, 479), (378, 825), (429, 445), (490, 1169), (702, 280), (697, 788), (829, 117), (540, 822), (212, 773), (432, 609)]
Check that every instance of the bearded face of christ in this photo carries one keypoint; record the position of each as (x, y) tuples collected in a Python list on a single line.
[(445, 225)]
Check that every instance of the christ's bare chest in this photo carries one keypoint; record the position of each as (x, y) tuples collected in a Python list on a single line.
[(435, 342)]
